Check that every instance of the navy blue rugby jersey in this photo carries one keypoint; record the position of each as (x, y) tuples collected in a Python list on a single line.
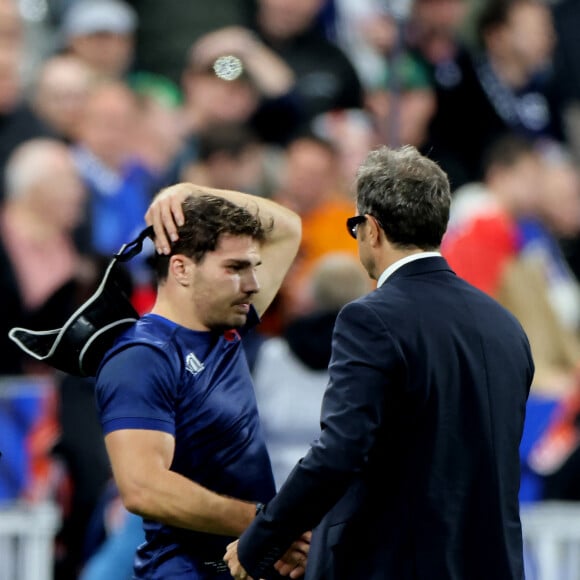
[(196, 386)]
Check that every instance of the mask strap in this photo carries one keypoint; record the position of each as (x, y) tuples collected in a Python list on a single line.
[(133, 248)]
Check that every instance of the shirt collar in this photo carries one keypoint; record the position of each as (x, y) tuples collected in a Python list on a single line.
[(396, 265)]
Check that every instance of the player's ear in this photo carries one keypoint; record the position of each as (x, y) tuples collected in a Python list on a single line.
[(181, 268)]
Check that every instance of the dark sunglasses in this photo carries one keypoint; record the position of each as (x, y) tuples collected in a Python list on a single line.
[(353, 222)]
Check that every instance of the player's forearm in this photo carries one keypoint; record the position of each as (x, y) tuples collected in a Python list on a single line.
[(177, 501), (286, 222), (166, 213)]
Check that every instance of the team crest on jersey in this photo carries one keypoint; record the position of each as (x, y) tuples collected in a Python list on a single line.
[(193, 364)]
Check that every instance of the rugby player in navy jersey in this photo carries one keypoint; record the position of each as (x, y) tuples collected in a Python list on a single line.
[(174, 393)]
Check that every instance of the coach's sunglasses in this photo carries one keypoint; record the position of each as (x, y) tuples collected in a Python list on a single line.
[(352, 224)]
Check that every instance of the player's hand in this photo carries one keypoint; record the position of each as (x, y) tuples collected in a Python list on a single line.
[(231, 559), (165, 215)]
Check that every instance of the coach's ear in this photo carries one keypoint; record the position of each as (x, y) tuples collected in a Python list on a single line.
[(374, 231)]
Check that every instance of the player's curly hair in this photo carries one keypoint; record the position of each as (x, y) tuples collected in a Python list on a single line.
[(207, 218)]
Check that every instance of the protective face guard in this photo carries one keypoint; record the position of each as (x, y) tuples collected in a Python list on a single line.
[(79, 346)]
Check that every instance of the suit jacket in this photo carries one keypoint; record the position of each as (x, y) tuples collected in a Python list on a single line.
[(416, 471)]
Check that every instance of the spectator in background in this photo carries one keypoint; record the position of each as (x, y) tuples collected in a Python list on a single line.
[(10, 81), (230, 156), (11, 26), (567, 68), (567, 84), (560, 196), (260, 96), (18, 122), (101, 33), (435, 34), (504, 237), (325, 77), (353, 133), (270, 75), (508, 192), (40, 265), (159, 135), (311, 185), (487, 248), (59, 94), (550, 451), (504, 86), (120, 185), (556, 219), (368, 32), (291, 370), (163, 53), (403, 103), (43, 281)]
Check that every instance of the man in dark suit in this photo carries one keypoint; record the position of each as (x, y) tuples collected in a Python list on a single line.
[(415, 474)]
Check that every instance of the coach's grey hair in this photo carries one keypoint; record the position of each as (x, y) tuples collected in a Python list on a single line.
[(408, 194)]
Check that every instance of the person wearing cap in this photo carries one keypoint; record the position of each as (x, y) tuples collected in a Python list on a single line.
[(174, 393), (101, 33)]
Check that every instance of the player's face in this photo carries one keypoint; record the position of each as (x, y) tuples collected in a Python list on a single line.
[(225, 283)]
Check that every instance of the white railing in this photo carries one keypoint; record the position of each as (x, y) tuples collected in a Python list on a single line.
[(552, 540), (27, 541)]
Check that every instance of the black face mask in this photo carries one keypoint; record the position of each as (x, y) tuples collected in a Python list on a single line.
[(78, 347)]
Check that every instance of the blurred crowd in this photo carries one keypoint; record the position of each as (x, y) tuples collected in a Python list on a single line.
[(105, 102)]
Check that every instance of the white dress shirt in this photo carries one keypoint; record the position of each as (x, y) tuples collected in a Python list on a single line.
[(396, 265)]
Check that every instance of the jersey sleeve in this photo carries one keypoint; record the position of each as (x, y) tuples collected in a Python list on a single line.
[(136, 389)]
